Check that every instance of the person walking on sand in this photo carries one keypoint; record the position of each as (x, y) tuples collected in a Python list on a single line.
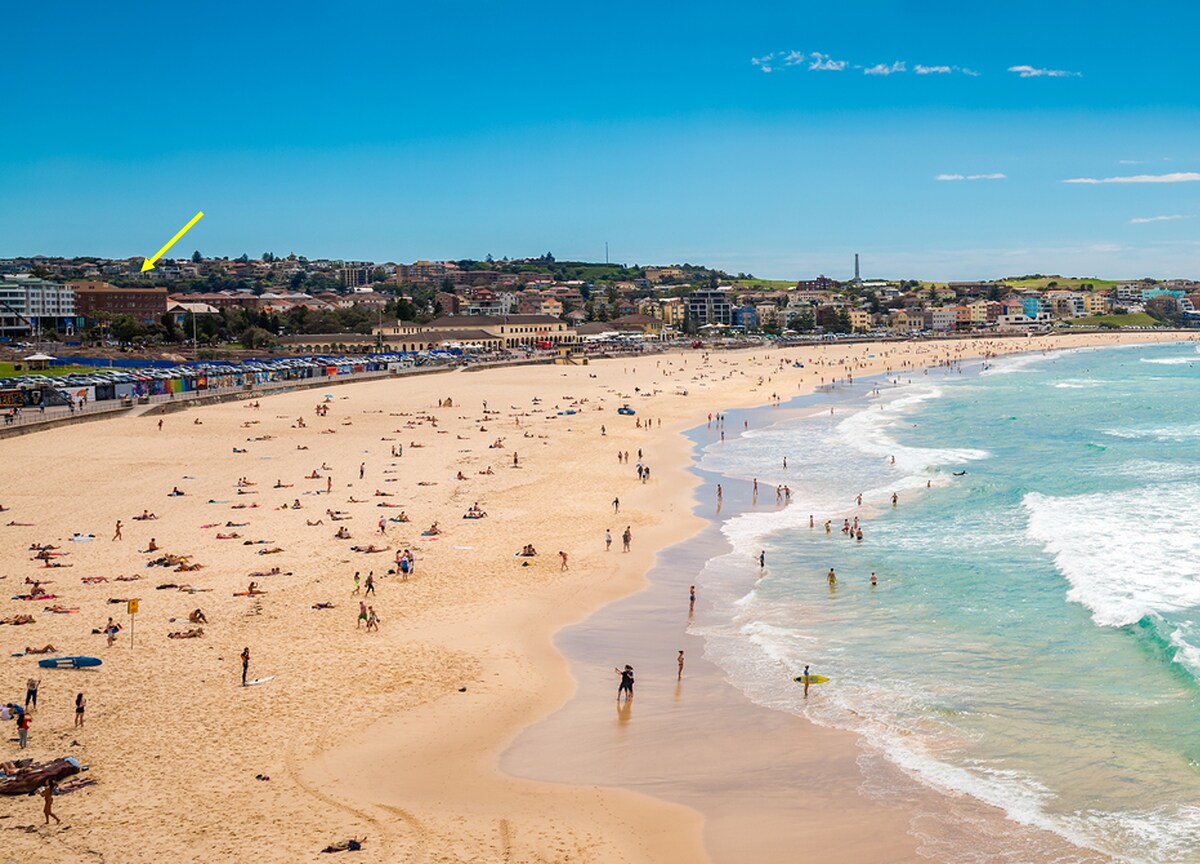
[(382, 525), (372, 619), (626, 685), (692, 600), (616, 502), (117, 533), (362, 468), (357, 585), (31, 688), (245, 664), (626, 538), (362, 614), (370, 583), (23, 729), (563, 565), (81, 704), (47, 793), (679, 660), (110, 630), (607, 539)]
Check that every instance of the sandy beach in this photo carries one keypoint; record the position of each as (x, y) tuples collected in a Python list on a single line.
[(398, 735)]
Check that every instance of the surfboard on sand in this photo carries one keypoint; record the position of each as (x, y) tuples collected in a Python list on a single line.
[(812, 679), (258, 681), (69, 662)]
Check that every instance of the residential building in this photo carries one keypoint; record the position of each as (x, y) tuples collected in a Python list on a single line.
[(673, 311), (860, 320), (512, 331), (29, 304), (426, 272), (180, 311), (92, 299), (941, 318), (745, 316), (711, 306), (655, 275), (355, 277)]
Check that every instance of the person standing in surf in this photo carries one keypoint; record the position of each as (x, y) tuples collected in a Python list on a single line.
[(626, 686)]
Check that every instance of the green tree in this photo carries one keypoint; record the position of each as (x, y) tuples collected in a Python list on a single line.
[(196, 257), (125, 328), (256, 337)]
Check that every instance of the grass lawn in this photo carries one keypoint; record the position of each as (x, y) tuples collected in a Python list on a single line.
[(1065, 283), (9, 370), (1136, 319), (765, 284)]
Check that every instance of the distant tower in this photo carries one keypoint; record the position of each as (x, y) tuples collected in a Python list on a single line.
[(857, 278)]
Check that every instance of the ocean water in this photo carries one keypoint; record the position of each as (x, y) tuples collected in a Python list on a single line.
[(1034, 640)]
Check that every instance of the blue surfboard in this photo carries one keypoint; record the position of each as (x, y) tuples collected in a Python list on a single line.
[(69, 662)]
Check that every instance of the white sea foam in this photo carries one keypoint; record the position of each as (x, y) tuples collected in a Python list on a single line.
[(1168, 361), (1125, 554), (1175, 432)]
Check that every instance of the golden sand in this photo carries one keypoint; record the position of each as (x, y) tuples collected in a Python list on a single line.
[(393, 735)]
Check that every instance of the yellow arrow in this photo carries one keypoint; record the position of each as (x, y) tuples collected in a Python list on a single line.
[(148, 264)]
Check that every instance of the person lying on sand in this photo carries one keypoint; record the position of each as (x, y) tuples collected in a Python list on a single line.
[(194, 633), (93, 580), (146, 516), (17, 619), (388, 504), (369, 549), (323, 606), (45, 649), (175, 492), (379, 494), (279, 484), (232, 536), (188, 568), (236, 524), (351, 845), (272, 551), (432, 531), (128, 578), (59, 610), (310, 523), (274, 571)]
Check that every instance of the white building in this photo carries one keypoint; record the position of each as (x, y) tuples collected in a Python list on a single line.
[(28, 304)]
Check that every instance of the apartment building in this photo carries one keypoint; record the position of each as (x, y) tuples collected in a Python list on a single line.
[(93, 299), (28, 304)]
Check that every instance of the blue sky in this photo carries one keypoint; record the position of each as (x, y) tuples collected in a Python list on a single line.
[(762, 139)]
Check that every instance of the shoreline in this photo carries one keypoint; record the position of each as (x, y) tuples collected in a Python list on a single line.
[(757, 802), (372, 733)]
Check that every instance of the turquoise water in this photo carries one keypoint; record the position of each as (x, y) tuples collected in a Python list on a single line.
[(1034, 639)]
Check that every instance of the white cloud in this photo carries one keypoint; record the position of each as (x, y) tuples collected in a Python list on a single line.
[(1131, 161), (818, 62), (1032, 72), (823, 62), (1144, 219), (1179, 177), (996, 176), (764, 62)]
